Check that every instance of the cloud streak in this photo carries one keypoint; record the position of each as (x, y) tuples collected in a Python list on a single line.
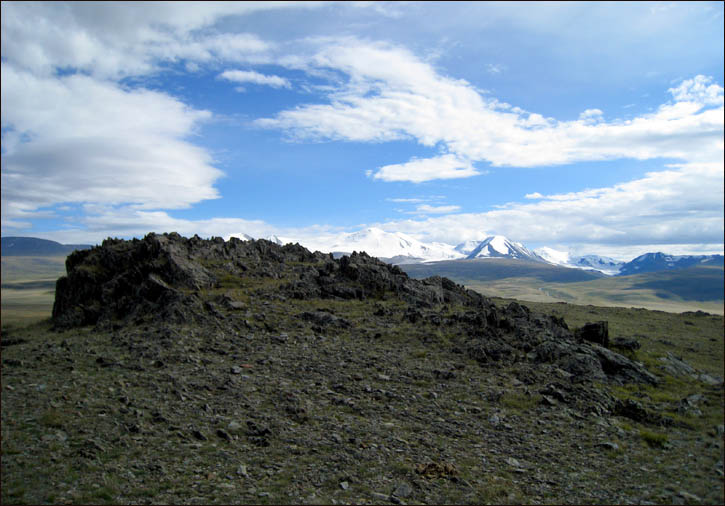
[(249, 76), (391, 94)]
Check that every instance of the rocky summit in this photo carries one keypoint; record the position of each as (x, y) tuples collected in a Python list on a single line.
[(176, 280), (184, 370)]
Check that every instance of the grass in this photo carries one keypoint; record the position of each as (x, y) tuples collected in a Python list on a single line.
[(653, 439), (607, 292)]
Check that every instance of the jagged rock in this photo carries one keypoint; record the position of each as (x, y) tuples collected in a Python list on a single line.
[(594, 333), (625, 343), (623, 369)]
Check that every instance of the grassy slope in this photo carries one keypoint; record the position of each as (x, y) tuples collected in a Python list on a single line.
[(496, 269), (696, 288), (28, 287)]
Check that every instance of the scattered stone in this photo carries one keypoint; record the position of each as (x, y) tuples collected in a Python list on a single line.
[(198, 435), (402, 490), (690, 498), (436, 469), (344, 485), (242, 471), (513, 462), (608, 445), (223, 434), (675, 366)]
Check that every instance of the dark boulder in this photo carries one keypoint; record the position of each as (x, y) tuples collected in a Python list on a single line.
[(597, 333)]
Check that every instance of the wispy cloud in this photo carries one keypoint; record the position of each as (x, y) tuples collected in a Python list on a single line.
[(428, 209), (392, 94), (495, 68), (426, 169), (250, 76)]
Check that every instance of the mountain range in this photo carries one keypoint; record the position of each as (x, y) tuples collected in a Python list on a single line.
[(401, 249)]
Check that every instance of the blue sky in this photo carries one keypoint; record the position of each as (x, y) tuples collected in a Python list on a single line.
[(590, 127)]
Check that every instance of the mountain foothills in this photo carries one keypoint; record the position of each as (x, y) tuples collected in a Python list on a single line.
[(180, 370), (31, 246)]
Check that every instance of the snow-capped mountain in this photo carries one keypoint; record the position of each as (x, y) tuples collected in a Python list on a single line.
[(465, 248), (398, 246), (498, 246), (554, 256), (605, 265), (279, 240), (243, 237), (651, 262)]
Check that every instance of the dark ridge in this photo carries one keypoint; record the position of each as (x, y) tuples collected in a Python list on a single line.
[(170, 279), (32, 246)]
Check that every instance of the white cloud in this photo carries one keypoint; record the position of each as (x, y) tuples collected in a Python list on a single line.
[(76, 139), (428, 209), (410, 201), (391, 94), (683, 205), (117, 39), (250, 76), (700, 90), (427, 169), (495, 68)]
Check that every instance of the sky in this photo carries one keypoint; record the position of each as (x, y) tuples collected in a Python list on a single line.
[(595, 128)]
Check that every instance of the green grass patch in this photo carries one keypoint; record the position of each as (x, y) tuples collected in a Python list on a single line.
[(653, 439)]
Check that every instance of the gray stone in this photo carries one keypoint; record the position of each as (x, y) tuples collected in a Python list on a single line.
[(402, 490), (344, 485), (690, 498), (609, 445)]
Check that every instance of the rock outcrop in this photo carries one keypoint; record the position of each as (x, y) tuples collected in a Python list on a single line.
[(171, 278)]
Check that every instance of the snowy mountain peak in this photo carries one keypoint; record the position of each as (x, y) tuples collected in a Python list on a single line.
[(400, 246), (275, 239), (498, 246), (465, 248), (554, 256), (602, 264)]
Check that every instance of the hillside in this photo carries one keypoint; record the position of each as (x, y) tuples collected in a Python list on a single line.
[(488, 269), (202, 371), (677, 290), (32, 246)]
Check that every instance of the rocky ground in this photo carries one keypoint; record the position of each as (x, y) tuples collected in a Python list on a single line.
[(189, 371)]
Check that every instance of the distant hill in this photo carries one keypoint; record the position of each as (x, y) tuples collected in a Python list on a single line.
[(698, 283), (32, 246), (488, 269), (653, 262)]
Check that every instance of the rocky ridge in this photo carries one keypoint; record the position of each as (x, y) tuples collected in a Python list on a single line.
[(165, 276)]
